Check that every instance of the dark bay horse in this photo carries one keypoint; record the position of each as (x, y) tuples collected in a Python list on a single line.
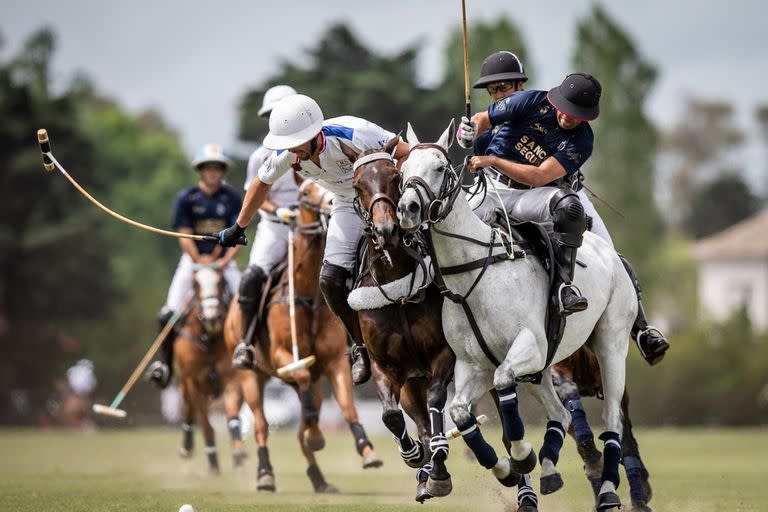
[(400, 318), (319, 333), (203, 367)]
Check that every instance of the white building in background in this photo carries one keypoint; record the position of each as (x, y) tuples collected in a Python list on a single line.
[(733, 270)]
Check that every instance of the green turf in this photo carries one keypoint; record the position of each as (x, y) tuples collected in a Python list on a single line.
[(138, 470)]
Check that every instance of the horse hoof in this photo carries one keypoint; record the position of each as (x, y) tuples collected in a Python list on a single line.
[(607, 501), (551, 483), (422, 494), (640, 507), (439, 488), (328, 489), (266, 482), (214, 471), (314, 443), (371, 460), (184, 453), (526, 465), (527, 508), (239, 457)]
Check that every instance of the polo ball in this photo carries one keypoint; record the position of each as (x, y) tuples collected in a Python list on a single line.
[(187, 508)]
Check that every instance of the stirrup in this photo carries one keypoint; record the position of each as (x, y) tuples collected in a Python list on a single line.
[(662, 343), (575, 308), (244, 357), (159, 373)]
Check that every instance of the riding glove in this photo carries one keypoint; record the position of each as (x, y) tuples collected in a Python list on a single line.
[(232, 236), (465, 135)]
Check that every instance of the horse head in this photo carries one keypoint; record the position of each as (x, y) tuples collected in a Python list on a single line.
[(209, 290), (377, 182), (315, 204), (429, 181)]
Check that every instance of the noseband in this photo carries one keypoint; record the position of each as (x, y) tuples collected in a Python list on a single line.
[(437, 206)]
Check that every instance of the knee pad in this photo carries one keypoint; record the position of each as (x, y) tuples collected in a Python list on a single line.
[(251, 284), (569, 218), (333, 284)]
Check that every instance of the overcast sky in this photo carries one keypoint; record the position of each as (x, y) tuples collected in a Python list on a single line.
[(193, 60)]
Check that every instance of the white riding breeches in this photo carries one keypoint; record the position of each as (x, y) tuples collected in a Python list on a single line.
[(528, 204), (344, 232), (182, 281), (270, 245)]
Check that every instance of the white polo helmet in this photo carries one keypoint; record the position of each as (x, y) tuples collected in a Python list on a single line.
[(272, 96), (295, 120), (211, 153)]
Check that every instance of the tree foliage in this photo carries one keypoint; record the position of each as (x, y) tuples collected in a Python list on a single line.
[(622, 165), (719, 204)]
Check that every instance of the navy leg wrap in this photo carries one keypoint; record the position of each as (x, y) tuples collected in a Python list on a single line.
[(264, 464), (611, 457), (634, 469), (525, 493), (474, 439), (188, 436), (213, 458), (361, 440), (513, 424), (581, 428), (553, 441), (235, 429)]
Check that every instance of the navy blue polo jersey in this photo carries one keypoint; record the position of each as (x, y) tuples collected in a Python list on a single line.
[(525, 130), (206, 214)]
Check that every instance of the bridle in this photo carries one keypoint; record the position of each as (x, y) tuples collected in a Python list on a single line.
[(367, 214), (437, 206), (320, 226)]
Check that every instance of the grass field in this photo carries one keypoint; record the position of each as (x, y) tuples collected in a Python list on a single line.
[(138, 470)]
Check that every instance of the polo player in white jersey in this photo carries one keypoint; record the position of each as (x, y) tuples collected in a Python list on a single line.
[(270, 243), (315, 149)]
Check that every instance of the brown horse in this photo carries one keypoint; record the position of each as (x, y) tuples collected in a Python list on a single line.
[(401, 321), (319, 333), (203, 366)]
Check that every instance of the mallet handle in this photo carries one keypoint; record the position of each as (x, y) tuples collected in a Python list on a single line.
[(292, 295), (49, 159), (468, 101), (152, 349)]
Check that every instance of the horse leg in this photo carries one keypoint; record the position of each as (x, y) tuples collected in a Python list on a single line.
[(637, 474), (559, 421), (527, 501), (471, 383), (439, 483), (341, 382), (253, 391), (413, 400), (233, 400), (523, 358), (568, 393), (611, 355), (201, 405), (310, 405), (188, 424), (312, 438)]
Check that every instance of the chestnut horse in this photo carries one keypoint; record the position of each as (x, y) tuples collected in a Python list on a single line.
[(400, 321), (203, 366), (319, 333)]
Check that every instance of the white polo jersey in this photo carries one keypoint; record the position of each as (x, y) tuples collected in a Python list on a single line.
[(283, 193), (335, 171)]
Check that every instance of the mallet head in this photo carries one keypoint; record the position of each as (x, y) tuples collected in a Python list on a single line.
[(109, 411), (288, 369), (45, 147)]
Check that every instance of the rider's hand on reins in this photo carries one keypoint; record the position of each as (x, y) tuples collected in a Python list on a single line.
[(286, 214), (477, 163), (232, 236)]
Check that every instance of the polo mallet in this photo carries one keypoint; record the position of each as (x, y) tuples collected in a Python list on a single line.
[(297, 363), (112, 409), (50, 162), (454, 432), (468, 100)]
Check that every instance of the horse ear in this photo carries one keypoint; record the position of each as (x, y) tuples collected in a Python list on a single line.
[(350, 153), (391, 146), (411, 136), (446, 139)]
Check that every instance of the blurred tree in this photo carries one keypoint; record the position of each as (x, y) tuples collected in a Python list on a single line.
[(719, 204), (698, 149), (622, 166), (52, 263)]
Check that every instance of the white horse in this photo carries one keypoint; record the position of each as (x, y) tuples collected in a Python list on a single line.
[(508, 303)]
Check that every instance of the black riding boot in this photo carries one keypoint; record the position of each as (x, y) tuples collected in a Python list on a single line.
[(160, 372), (650, 340), (568, 295), (570, 222), (251, 287), (333, 284)]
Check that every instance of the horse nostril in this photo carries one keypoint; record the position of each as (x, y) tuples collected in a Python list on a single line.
[(413, 207)]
